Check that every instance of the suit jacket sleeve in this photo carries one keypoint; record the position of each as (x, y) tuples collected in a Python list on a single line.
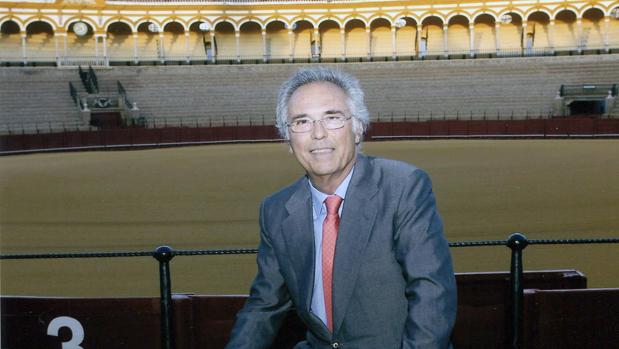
[(258, 323), (423, 252)]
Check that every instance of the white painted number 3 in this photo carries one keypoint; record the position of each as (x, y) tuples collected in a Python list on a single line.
[(77, 331)]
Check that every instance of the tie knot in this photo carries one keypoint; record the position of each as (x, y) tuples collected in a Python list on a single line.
[(333, 203)]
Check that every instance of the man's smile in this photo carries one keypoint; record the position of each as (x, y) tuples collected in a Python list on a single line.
[(322, 150)]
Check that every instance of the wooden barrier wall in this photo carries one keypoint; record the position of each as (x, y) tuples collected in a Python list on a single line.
[(128, 137), (205, 321)]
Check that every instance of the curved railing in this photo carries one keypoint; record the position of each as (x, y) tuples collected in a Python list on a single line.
[(517, 243)]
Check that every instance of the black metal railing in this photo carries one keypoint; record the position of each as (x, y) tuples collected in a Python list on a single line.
[(89, 79), (123, 93), (517, 242), (93, 79), (73, 93)]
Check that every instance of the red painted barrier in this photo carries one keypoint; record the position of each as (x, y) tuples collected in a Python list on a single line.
[(205, 321), (563, 127)]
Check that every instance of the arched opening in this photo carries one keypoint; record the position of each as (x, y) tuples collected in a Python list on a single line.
[(40, 41), (458, 35), (485, 36), (81, 40), (330, 40), (250, 41), (593, 29), (120, 43), (277, 41), (225, 41), (406, 37), (510, 33), (381, 42), (356, 39), (431, 37), (149, 45), (10, 41), (302, 41), (200, 44), (536, 36), (174, 44), (565, 31)]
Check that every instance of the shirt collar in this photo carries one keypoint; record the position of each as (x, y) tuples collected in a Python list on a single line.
[(318, 197)]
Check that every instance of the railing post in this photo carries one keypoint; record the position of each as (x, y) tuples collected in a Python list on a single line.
[(517, 242), (164, 254)]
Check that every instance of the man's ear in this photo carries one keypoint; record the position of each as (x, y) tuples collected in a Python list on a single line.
[(357, 138)]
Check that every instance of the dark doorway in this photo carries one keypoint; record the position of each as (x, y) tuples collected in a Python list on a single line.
[(588, 108), (106, 120)]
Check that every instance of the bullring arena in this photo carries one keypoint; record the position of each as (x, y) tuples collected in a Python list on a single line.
[(128, 125)]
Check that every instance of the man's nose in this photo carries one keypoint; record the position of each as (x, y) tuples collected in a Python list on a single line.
[(318, 130)]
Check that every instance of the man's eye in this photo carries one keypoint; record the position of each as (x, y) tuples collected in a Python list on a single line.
[(333, 117), (300, 122)]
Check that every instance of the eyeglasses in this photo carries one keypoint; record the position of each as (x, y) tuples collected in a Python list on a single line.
[(330, 122)]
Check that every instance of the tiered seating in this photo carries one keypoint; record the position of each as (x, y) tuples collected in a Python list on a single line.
[(37, 99), (231, 94)]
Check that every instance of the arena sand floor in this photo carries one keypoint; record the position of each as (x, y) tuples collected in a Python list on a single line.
[(207, 197)]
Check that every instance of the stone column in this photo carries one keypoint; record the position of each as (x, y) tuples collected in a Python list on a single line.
[(523, 36), (187, 53), (161, 47), (394, 43), (237, 36), (65, 46), (291, 43), (551, 36), (264, 45), (579, 38), (96, 38), (606, 35), (213, 47), (446, 39), (419, 30), (472, 38), (316, 49), (24, 46), (136, 58), (368, 31), (497, 37), (106, 59), (343, 43), (56, 49)]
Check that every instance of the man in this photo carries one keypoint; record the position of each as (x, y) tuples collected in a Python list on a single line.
[(356, 245)]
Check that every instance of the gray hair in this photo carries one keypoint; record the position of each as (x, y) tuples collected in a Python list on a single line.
[(345, 81)]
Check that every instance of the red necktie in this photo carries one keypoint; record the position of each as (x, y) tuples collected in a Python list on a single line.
[(329, 236)]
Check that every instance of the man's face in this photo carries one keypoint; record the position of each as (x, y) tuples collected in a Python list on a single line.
[(324, 154)]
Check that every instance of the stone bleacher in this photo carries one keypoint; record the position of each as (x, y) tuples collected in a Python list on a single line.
[(37, 98), (217, 94)]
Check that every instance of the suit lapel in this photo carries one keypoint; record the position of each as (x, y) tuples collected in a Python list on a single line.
[(298, 233), (358, 217)]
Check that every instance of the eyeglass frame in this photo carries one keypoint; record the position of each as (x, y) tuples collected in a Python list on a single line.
[(343, 118)]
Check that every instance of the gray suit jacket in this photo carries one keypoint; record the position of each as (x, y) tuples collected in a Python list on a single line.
[(393, 283)]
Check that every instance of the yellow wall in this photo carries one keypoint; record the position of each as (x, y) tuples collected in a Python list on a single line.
[(250, 41), (175, 44), (356, 39), (458, 35), (405, 40), (381, 40), (485, 37), (278, 43), (330, 40)]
